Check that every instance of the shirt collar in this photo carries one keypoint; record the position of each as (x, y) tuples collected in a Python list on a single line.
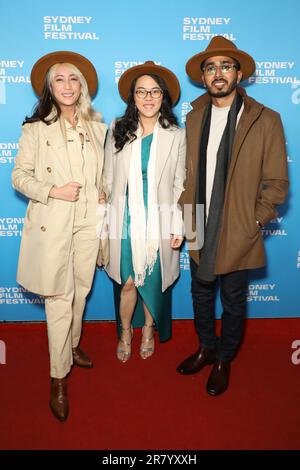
[(70, 127)]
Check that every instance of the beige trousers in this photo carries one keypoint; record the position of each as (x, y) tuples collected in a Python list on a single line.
[(64, 312)]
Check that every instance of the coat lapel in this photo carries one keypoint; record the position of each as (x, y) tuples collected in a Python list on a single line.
[(55, 141), (97, 134), (193, 145), (251, 112), (249, 115), (124, 157), (165, 139)]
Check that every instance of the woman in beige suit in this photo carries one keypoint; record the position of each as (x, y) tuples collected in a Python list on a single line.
[(143, 180), (59, 169)]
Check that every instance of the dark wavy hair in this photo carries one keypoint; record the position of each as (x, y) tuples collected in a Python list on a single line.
[(126, 126), (44, 107)]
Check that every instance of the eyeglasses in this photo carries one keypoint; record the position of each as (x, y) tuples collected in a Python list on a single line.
[(211, 69), (142, 93)]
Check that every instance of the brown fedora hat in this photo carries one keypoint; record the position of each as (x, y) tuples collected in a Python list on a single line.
[(223, 47), (41, 67), (147, 68)]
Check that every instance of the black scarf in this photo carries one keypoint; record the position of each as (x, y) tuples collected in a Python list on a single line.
[(212, 226)]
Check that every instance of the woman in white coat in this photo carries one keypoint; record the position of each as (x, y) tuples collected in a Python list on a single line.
[(59, 169), (143, 178)]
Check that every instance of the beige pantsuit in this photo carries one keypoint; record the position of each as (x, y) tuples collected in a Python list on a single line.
[(64, 312), (59, 244)]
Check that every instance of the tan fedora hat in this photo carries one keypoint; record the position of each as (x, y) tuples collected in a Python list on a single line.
[(219, 46), (41, 67), (149, 67)]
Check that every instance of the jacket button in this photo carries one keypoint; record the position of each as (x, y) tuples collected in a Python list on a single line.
[(49, 169), (43, 229)]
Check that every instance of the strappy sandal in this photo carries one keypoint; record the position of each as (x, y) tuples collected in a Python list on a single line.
[(147, 351), (124, 354)]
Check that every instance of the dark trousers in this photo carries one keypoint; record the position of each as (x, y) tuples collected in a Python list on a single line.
[(233, 290)]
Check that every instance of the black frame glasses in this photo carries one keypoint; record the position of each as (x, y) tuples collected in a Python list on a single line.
[(211, 69), (142, 93)]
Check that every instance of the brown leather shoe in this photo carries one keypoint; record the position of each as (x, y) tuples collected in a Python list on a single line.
[(80, 358), (59, 398), (218, 379), (197, 361)]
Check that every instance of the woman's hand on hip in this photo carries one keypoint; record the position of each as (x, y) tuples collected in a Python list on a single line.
[(68, 192), (176, 241)]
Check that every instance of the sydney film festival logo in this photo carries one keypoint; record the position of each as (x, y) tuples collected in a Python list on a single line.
[(261, 292), (11, 226), (69, 28), (17, 295), (8, 152), (122, 65), (205, 28), (11, 72), (274, 72), (184, 259)]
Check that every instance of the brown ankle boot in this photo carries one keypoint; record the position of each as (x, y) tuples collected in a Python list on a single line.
[(80, 358), (59, 398)]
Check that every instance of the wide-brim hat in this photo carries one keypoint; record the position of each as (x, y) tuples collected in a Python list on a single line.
[(220, 46), (149, 67), (41, 67)]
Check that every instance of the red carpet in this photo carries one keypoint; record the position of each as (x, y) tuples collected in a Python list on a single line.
[(147, 404)]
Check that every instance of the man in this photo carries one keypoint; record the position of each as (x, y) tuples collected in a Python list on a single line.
[(236, 174)]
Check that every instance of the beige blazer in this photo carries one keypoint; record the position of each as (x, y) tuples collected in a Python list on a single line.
[(42, 162), (170, 176)]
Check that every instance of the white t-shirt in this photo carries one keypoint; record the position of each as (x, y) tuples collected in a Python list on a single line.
[(217, 126)]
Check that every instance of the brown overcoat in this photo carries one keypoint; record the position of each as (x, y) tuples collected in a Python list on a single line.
[(257, 181)]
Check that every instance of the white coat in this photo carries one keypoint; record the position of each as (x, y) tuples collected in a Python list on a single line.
[(170, 177)]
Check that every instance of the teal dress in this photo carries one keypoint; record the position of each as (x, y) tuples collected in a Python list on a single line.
[(157, 302)]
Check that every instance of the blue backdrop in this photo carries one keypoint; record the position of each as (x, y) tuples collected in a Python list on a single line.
[(114, 36)]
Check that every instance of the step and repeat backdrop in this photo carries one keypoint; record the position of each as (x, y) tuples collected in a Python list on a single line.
[(116, 35)]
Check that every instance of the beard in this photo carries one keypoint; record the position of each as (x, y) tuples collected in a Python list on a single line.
[(221, 93)]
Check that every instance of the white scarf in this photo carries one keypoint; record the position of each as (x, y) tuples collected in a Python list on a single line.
[(144, 231)]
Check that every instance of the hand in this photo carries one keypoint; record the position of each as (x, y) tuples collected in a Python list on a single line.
[(68, 192), (102, 198), (176, 241)]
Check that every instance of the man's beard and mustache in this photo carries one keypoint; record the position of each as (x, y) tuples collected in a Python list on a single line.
[(221, 93)]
